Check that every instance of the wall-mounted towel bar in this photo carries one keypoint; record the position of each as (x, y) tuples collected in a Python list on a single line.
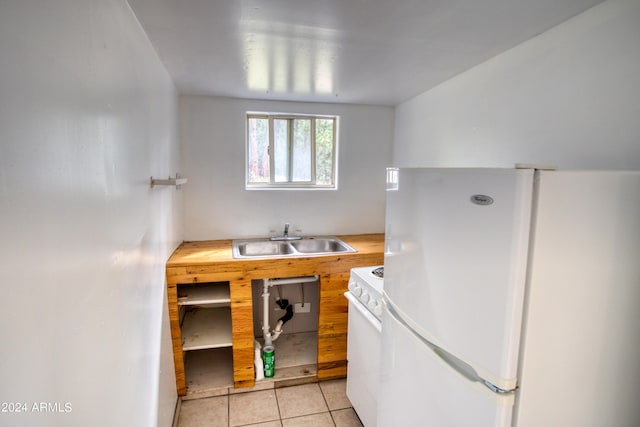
[(177, 181)]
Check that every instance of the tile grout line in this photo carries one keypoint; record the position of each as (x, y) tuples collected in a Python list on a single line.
[(278, 405), (327, 403)]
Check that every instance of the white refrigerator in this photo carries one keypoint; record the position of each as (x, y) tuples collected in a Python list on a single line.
[(512, 298)]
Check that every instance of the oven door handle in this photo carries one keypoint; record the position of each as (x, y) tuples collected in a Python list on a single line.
[(364, 311)]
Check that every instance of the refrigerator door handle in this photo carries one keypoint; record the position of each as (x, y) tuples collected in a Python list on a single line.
[(455, 363), (465, 369)]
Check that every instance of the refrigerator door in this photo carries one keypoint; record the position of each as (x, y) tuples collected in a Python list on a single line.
[(455, 261), (420, 389)]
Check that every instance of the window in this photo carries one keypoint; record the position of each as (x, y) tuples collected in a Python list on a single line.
[(291, 151)]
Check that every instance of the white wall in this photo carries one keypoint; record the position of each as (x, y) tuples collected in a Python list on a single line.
[(87, 115), (217, 206), (569, 97)]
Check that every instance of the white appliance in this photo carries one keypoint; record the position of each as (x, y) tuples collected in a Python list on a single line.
[(363, 340), (512, 298)]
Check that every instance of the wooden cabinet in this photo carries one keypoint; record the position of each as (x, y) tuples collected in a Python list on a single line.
[(199, 267)]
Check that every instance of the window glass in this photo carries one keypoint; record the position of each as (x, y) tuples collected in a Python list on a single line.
[(301, 156), (258, 156), (281, 150), (324, 151)]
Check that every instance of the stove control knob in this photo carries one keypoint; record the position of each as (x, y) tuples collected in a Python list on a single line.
[(378, 310), (372, 305), (355, 289), (365, 297)]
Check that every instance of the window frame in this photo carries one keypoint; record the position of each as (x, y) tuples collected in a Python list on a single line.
[(284, 185)]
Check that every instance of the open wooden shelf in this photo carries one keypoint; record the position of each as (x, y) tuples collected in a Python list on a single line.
[(204, 328), (209, 293)]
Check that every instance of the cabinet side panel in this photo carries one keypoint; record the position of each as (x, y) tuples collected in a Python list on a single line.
[(242, 331), (176, 338), (332, 325)]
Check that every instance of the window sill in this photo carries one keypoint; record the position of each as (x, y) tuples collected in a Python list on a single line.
[(253, 187)]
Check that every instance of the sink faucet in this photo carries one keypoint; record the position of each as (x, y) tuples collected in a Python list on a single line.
[(285, 235)]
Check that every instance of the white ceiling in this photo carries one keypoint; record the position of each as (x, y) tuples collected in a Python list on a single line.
[(379, 52)]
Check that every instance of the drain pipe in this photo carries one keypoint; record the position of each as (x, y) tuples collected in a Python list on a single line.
[(265, 313), (266, 284), (284, 319)]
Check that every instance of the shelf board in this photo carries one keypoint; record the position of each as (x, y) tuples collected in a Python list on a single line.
[(204, 294), (204, 328)]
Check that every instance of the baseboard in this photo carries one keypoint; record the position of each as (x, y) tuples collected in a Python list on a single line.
[(176, 413)]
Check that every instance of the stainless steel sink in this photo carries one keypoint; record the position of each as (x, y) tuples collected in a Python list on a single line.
[(262, 248), (307, 246), (320, 245)]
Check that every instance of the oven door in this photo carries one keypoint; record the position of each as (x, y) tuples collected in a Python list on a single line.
[(363, 356)]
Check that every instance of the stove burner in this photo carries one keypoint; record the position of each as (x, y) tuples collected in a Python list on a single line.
[(378, 272)]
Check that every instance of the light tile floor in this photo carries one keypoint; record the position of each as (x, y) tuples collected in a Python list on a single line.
[(309, 405)]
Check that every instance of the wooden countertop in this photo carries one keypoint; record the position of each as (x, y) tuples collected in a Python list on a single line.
[(216, 251)]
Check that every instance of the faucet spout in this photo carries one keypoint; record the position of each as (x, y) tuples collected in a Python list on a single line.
[(285, 235)]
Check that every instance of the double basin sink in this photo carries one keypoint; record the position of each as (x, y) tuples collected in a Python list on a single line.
[(306, 246)]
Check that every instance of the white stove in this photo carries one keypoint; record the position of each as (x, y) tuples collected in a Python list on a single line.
[(364, 340), (365, 284)]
